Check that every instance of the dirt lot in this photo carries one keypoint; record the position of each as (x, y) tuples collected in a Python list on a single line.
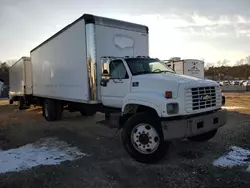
[(188, 164)]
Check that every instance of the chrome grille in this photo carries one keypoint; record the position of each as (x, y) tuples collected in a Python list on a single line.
[(200, 98)]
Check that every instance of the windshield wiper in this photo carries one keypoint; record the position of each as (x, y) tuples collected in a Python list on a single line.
[(149, 72), (166, 71)]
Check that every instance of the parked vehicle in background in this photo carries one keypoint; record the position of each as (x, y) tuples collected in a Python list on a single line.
[(225, 83), (20, 77), (190, 67), (99, 64), (241, 82), (246, 83), (235, 82), (219, 83), (1, 87)]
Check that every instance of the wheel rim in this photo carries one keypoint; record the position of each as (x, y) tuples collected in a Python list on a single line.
[(145, 138), (46, 109)]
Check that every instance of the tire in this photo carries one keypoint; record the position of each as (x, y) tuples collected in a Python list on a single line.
[(88, 112), (150, 127), (21, 103), (203, 137), (11, 101), (49, 110), (223, 100), (59, 110)]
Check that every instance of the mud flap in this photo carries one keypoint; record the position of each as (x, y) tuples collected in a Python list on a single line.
[(114, 120)]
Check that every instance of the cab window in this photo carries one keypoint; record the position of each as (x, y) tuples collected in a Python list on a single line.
[(117, 70)]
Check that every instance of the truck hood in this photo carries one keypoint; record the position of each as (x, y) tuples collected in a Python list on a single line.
[(167, 82)]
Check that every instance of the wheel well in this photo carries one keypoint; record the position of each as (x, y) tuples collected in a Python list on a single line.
[(150, 110), (131, 109), (135, 108)]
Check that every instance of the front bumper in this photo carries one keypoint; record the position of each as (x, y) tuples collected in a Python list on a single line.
[(183, 128)]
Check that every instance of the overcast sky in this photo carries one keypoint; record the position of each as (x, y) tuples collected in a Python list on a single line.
[(203, 29)]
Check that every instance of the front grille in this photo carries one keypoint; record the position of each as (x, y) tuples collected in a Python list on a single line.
[(200, 98)]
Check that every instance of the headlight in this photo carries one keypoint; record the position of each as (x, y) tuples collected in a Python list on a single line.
[(172, 108)]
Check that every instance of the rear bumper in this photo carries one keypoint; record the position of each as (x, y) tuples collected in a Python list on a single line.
[(178, 129)]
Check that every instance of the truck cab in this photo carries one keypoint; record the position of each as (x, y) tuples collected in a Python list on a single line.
[(126, 79), (146, 91)]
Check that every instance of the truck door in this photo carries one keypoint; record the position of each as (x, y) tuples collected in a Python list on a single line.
[(114, 89)]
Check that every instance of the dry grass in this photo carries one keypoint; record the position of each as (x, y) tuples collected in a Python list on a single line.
[(239, 100), (3, 102)]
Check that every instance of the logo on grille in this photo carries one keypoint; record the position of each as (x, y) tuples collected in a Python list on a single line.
[(205, 97)]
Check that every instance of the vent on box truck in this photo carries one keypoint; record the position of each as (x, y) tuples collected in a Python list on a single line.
[(175, 59)]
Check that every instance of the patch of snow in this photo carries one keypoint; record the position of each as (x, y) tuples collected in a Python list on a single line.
[(47, 151), (232, 107), (235, 157)]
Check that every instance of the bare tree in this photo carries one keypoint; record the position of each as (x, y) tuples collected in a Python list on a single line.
[(208, 65), (240, 62), (4, 67), (11, 62), (218, 64), (247, 60), (225, 62)]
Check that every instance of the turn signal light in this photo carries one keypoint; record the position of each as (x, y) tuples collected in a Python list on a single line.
[(168, 94)]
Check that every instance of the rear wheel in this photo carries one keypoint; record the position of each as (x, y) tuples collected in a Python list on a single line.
[(10, 101), (21, 103), (49, 110), (203, 137), (143, 138)]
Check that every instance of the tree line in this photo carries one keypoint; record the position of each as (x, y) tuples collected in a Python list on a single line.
[(229, 72), (4, 66), (222, 70)]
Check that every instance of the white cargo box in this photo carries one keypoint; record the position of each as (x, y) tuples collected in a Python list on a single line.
[(190, 67), (20, 77), (67, 66)]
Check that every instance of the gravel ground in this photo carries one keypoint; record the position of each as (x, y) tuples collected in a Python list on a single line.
[(188, 164)]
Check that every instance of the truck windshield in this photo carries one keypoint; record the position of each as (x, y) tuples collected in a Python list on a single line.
[(147, 66)]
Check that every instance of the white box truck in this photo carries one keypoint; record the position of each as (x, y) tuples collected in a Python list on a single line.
[(99, 64), (20, 78), (189, 67)]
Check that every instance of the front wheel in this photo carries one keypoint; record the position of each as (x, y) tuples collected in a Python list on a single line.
[(203, 137), (143, 138)]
